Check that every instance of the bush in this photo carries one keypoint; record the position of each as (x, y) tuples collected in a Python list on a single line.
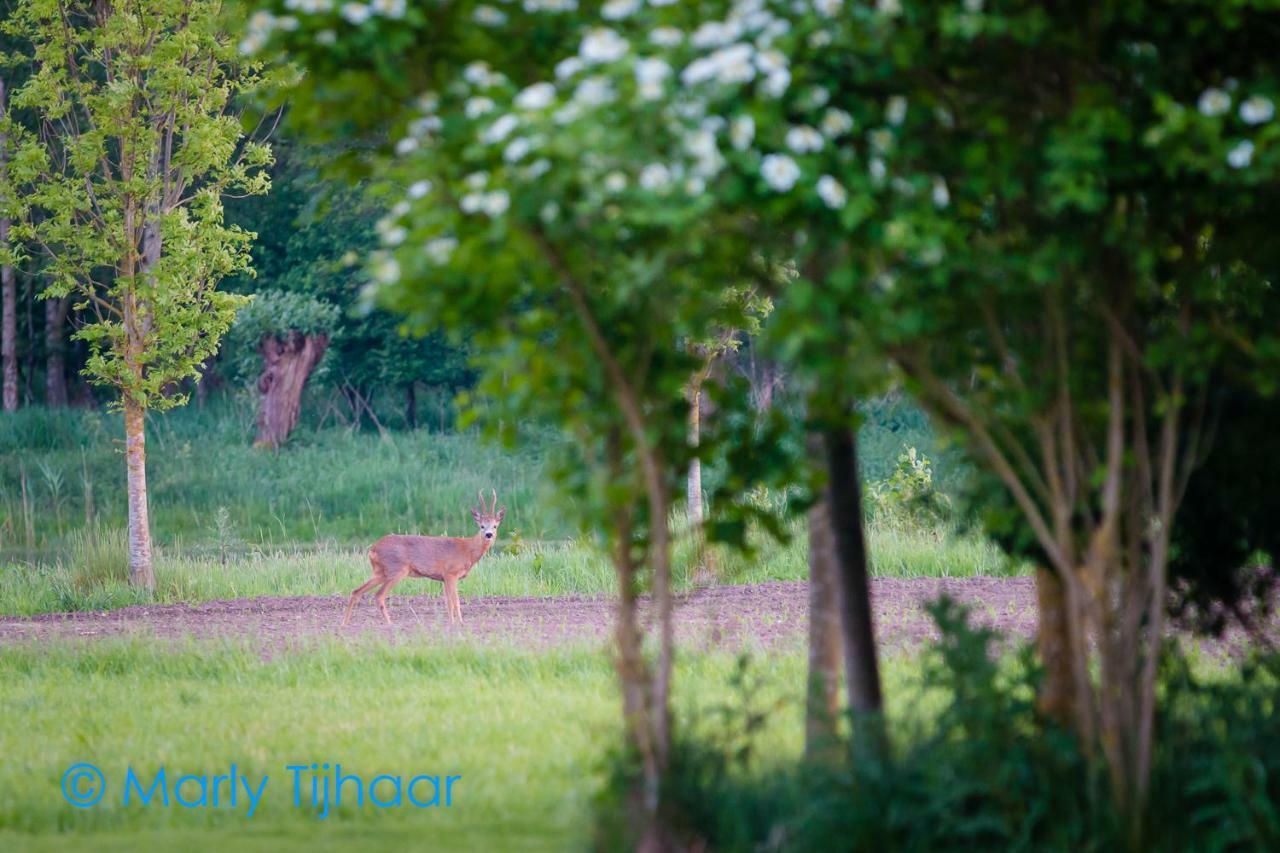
[(986, 772)]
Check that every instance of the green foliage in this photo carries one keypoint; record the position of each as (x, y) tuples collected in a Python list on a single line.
[(909, 493), (980, 769), (124, 190), (272, 313)]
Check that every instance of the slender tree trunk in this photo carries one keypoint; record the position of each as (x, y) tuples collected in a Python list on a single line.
[(141, 572), (9, 332), (55, 371), (1058, 692), (286, 365), (9, 313), (411, 405), (844, 501), (822, 710), (693, 493)]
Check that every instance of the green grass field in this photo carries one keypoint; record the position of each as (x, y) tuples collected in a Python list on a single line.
[(527, 733)]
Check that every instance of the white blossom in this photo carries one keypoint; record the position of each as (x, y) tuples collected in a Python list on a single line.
[(666, 36), (536, 97), (715, 34), (471, 202), (478, 106), (695, 185), (832, 192), (388, 8), (418, 189), (836, 122), (655, 177), (820, 39), (889, 8), (355, 13), (770, 61), (895, 110), (495, 203), (394, 236), (440, 249), (650, 75), (550, 212), (973, 7), (602, 45), (326, 37), (1213, 102), (385, 269), (594, 91), (516, 149), (775, 85), (780, 172), (1240, 155), (428, 102), (537, 169), (479, 74), (880, 139), (662, 2), (477, 180), (406, 145), (877, 169), (742, 131), (425, 125), (616, 10), (252, 43), (566, 68), (400, 209), (1257, 110), (828, 8), (615, 182), (487, 16), (803, 139), (941, 195)]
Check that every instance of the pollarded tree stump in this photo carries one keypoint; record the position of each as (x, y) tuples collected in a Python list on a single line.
[(286, 364)]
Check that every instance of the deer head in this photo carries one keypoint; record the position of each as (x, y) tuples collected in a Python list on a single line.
[(488, 517)]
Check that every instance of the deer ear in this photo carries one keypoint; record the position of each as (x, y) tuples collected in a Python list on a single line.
[(502, 513), (475, 513)]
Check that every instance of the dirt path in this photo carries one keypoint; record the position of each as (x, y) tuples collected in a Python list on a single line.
[(729, 617)]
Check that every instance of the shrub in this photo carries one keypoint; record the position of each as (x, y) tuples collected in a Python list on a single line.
[(986, 772)]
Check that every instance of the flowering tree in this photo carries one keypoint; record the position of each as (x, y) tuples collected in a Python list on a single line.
[(1052, 234)]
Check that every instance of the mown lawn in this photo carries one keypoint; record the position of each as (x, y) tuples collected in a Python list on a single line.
[(526, 732)]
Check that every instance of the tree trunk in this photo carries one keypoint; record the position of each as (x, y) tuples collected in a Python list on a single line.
[(844, 501), (286, 365), (1058, 692), (9, 313), (55, 372), (411, 405), (693, 493), (822, 709), (141, 573)]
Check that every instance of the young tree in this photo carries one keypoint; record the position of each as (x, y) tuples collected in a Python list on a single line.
[(8, 283), (129, 189)]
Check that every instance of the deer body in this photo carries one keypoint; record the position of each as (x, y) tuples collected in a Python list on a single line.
[(447, 559)]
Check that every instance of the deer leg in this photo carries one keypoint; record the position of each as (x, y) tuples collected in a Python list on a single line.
[(381, 597), (359, 591), (450, 596)]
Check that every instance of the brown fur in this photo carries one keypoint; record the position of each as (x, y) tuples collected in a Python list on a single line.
[(447, 559)]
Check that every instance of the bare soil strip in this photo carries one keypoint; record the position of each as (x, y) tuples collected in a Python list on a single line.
[(728, 617)]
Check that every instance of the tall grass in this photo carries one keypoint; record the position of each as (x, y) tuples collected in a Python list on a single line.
[(330, 485)]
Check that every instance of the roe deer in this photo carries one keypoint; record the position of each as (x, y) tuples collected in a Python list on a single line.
[(447, 559)]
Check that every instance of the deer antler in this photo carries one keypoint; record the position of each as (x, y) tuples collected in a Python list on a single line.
[(493, 501), (480, 497)]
